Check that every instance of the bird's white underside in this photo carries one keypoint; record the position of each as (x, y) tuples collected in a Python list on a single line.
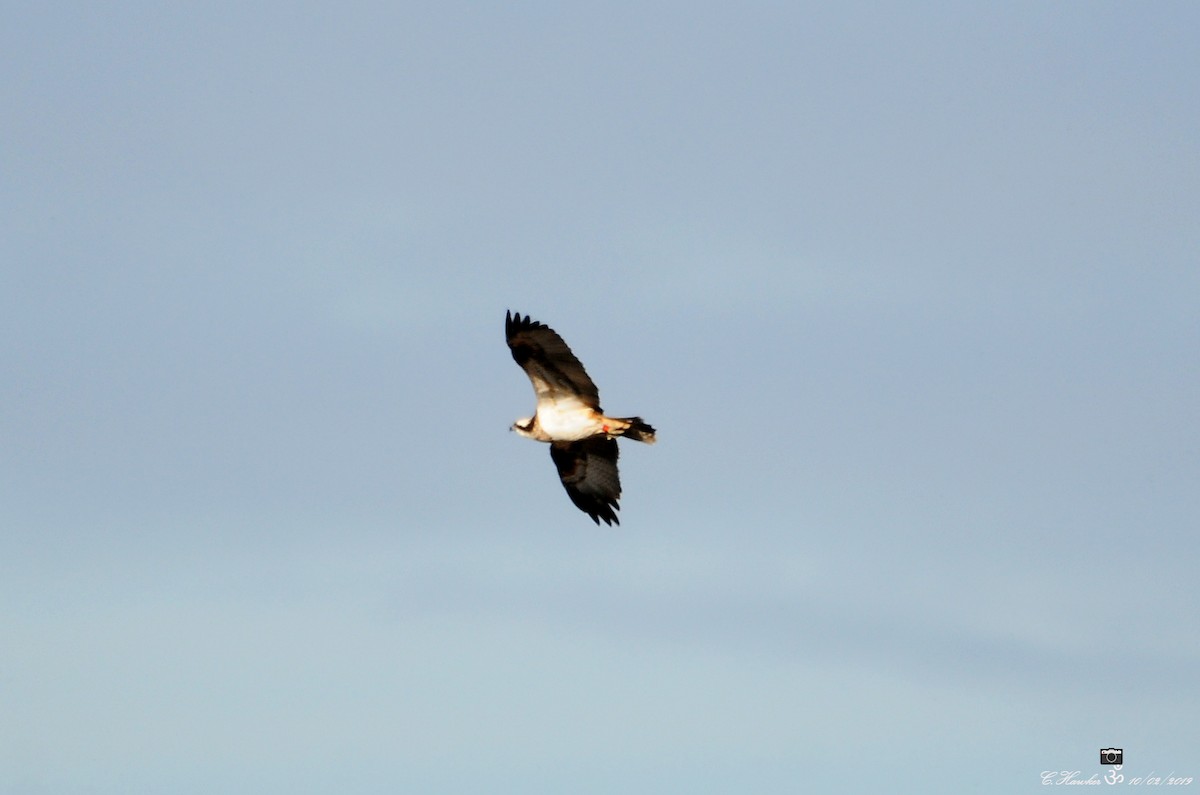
[(568, 420)]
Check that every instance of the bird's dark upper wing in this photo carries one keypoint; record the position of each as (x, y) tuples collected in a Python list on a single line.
[(549, 363), (588, 470)]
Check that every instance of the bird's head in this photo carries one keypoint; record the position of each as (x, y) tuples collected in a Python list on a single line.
[(523, 426)]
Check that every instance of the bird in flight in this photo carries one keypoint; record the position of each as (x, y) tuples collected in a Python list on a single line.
[(583, 441)]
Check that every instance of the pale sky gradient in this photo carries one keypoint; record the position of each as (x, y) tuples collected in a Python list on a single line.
[(910, 292)]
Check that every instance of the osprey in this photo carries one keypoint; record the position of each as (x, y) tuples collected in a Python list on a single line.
[(583, 441)]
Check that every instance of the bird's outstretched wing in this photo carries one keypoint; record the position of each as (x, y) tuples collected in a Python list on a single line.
[(588, 470), (555, 372)]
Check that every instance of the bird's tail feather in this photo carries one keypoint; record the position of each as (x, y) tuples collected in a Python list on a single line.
[(637, 429)]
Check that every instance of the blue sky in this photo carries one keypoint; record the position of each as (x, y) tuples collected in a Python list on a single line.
[(910, 292)]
